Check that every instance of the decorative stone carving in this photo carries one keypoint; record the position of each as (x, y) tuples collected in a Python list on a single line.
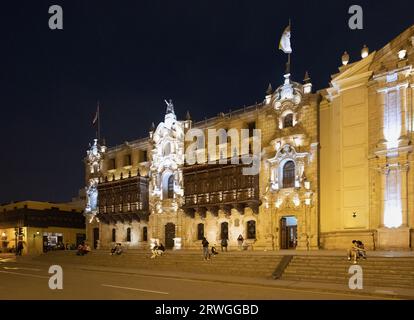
[(94, 160)]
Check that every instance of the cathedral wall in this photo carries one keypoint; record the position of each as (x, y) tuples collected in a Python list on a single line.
[(344, 168)]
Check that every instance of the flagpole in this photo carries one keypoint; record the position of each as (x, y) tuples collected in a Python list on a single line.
[(288, 66), (98, 119), (99, 124)]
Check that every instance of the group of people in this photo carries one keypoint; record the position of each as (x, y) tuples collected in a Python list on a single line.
[(207, 254), (116, 250), (158, 250), (357, 251), (83, 249)]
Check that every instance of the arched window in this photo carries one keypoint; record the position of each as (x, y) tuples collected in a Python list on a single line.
[(168, 186), (289, 175), (167, 149), (288, 121), (171, 187), (113, 235), (251, 229), (128, 237), (144, 234), (200, 231), (224, 230)]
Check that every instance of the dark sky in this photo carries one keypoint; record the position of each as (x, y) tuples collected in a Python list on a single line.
[(208, 56)]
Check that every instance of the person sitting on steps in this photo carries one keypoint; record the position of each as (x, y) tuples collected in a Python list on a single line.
[(353, 252), (214, 251), (157, 251), (361, 250), (117, 249)]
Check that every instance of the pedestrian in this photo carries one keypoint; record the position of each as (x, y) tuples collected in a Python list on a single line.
[(205, 249), (224, 244), (20, 248), (240, 240)]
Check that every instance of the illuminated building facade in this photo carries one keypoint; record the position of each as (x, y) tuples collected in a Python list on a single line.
[(41, 226), (334, 166)]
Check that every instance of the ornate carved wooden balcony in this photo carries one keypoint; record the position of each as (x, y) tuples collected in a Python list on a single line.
[(123, 200), (219, 187)]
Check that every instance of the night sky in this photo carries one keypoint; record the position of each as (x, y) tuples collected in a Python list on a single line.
[(208, 56)]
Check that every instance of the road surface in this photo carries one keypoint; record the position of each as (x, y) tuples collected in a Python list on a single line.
[(31, 281)]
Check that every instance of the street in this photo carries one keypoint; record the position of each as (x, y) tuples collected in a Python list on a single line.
[(31, 281)]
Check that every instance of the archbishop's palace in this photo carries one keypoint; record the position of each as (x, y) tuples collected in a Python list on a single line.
[(333, 166)]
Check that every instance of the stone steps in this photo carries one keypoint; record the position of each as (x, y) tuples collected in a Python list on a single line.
[(226, 263), (377, 271)]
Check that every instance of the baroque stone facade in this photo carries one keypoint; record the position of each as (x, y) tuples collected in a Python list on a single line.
[(333, 166)]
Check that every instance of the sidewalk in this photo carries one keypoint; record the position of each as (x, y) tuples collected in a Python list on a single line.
[(376, 292)]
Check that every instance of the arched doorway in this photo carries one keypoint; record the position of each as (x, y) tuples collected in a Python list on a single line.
[(95, 238), (168, 186), (169, 235), (224, 231), (288, 232)]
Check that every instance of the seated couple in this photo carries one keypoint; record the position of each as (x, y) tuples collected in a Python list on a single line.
[(357, 251), (83, 249), (117, 249), (157, 250)]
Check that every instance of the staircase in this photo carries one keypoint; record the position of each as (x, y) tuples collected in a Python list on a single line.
[(257, 265), (377, 271)]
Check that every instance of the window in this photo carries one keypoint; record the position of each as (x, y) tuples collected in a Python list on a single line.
[(251, 126), (128, 160), (224, 230), (113, 235), (144, 234), (144, 156), (112, 164), (128, 237), (288, 121), (200, 231), (236, 222), (171, 187), (251, 229), (167, 149), (289, 175)]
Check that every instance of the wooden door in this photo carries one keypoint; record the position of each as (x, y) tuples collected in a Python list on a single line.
[(283, 234), (169, 235)]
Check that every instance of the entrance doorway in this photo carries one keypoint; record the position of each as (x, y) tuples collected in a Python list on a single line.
[(224, 231), (288, 232), (95, 237), (169, 235)]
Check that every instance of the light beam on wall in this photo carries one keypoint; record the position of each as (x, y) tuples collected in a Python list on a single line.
[(393, 209)]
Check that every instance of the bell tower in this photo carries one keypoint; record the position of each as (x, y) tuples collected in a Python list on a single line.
[(166, 180)]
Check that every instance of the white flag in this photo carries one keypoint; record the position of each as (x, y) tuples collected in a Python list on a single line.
[(96, 115), (284, 44)]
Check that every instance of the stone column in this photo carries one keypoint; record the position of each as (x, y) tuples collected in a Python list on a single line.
[(402, 93), (403, 170), (384, 170), (381, 98)]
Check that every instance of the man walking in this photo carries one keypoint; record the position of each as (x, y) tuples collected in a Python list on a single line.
[(205, 249), (224, 244), (19, 248)]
